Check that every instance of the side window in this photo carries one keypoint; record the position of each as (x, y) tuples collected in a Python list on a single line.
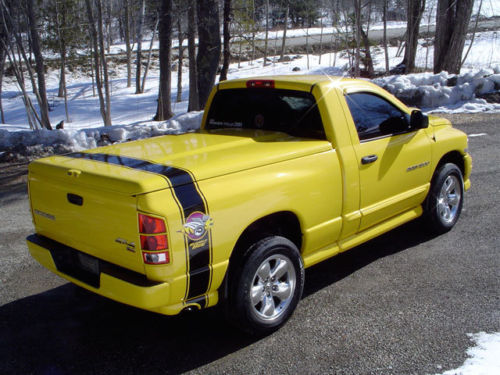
[(375, 116)]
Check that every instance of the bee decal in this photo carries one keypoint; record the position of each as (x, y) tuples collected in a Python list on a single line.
[(197, 225)]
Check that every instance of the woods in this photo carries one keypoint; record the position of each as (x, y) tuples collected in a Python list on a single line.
[(80, 34)]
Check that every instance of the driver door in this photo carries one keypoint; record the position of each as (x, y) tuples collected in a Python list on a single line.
[(393, 159)]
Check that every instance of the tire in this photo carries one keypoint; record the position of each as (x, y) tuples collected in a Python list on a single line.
[(445, 200), (266, 287)]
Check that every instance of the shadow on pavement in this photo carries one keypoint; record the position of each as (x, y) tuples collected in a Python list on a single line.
[(68, 330), (345, 264)]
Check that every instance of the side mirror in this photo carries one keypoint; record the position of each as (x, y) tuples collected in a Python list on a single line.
[(418, 120)]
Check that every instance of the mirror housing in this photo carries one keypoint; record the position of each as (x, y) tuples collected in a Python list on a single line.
[(418, 120)]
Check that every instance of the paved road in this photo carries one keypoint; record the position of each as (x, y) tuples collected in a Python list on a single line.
[(374, 35), (401, 304)]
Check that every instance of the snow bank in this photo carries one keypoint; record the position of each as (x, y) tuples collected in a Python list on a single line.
[(445, 92), (38, 143), (483, 358)]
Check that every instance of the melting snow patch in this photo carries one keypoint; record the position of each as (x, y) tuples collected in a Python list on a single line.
[(484, 358), (44, 142), (445, 92)]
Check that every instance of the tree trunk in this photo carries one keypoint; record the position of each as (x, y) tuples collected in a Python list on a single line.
[(127, 43), (40, 69), (93, 33), (3, 55), (150, 53), (2, 65), (104, 65), (283, 41), (368, 61), (180, 59), (473, 34), (164, 109), (109, 37), (414, 15), (62, 52), (386, 52), (209, 47), (307, 47), (193, 75), (139, 48), (227, 37), (452, 21), (321, 38), (357, 21), (266, 38)]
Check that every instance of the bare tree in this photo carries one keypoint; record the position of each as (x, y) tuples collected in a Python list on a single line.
[(3, 56), (104, 65), (386, 53), (194, 103), (180, 37), (266, 38), (99, 62), (414, 16), (227, 36), (285, 25), (127, 42), (209, 47), (8, 30), (142, 11), (39, 65), (150, 53), (452, 21), (62, 52), (473, 34), (357, 22), (164, 109)]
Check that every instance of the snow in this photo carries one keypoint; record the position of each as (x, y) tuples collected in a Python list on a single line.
[(445, 92), (484, 358), (132, 114)]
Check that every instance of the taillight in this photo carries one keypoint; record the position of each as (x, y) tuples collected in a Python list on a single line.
[(156, 258), (153, 239), (260, 84), (148, 224), (154, 242)]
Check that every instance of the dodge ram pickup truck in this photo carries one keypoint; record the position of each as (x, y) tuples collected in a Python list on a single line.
[(285, 172)]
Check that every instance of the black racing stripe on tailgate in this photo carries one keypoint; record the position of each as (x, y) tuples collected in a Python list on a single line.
[(191, 200), (176, 176)]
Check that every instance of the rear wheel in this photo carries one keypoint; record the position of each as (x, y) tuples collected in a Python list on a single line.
[(445, 200), (267, 287)]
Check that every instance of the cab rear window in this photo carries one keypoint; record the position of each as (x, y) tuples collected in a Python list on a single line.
[(288, 111)]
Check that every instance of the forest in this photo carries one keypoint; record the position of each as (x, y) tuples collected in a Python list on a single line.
[(205, 36)]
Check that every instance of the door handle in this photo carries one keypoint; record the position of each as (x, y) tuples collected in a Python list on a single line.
[(369, 159)]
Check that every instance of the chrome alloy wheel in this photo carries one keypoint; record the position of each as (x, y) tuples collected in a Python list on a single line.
[(273, 287), (449, 199)]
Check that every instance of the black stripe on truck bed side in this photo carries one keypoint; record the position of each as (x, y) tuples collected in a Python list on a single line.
[(190, 200)]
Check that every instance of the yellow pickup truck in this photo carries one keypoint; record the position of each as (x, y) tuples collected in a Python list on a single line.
[(285, 172)]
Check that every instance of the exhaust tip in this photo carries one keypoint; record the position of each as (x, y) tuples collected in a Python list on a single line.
[(190, 309)]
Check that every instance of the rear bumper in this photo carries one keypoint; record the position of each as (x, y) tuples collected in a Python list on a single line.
[(102, 277)]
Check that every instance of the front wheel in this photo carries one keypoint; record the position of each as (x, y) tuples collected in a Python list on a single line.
[(445, 200), (267, 287)]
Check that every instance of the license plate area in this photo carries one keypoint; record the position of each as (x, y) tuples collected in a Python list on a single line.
[(89, 263), (78, 265)]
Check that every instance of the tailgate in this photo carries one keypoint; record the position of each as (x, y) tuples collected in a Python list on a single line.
[(87, 211)]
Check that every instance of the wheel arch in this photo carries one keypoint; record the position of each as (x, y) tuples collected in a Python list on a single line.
[(454, 157), (284, 223)]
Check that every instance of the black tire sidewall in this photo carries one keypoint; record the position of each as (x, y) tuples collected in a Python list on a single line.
[(240, 296)]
